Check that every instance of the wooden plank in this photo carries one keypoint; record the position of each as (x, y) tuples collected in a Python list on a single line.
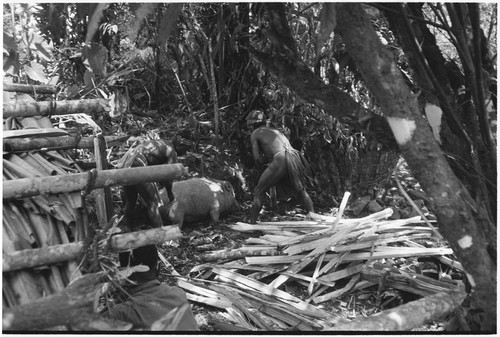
[(399, 252), (339, 292), (395, 237), (268, 290), (214, 302), (321, 248), (340, 274)]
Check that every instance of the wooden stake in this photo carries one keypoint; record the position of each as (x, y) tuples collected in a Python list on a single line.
[(103, 195)]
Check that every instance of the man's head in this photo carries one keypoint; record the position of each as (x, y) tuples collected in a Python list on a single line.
[(147, 255), (256, 118)]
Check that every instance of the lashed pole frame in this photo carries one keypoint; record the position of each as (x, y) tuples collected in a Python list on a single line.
[(46, 185)]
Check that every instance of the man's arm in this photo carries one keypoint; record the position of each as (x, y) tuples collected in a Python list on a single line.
[(255, 149)]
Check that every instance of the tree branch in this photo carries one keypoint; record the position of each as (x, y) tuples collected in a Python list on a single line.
[(295, 74), (407, 316)]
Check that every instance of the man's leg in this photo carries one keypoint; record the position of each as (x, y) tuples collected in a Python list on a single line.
[(306, 200), (271, 175)]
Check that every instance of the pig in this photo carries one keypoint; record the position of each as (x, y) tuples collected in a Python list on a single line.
[(198, 199)]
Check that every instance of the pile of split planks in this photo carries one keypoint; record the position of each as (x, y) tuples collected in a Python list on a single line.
[(327, 257)]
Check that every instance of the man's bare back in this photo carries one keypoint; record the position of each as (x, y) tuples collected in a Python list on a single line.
[(267, 141)]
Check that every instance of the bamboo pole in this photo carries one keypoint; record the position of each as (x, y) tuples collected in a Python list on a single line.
[(59, 158), (49, 108), (19, 171), (42, 161), (30, 258), (27, 187), (56, 143), (28, 157), (30, 88), (17, 160)]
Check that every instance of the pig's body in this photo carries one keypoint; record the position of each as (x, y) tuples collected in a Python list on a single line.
[(198, 199)]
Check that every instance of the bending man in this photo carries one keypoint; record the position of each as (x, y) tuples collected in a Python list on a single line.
[(288, 169)]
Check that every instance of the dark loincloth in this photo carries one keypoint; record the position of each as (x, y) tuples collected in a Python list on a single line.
[(299, 172)]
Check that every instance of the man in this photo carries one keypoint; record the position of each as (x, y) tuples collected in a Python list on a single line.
[(149, 300), (147, 153), (287, 167)]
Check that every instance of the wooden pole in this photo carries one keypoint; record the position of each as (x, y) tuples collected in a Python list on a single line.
[(29, 88), (27, 187), (30, 258), (50, 108), (407, 316), (103, 195), (56, 143)]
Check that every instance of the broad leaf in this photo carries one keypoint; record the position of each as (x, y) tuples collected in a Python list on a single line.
[(11, 63), (118, 103), (142, 12), (168, 22), (9, 42), (44, 49), (36, 72), (72, 91), (88, 78), (93, 24), (96, 58)]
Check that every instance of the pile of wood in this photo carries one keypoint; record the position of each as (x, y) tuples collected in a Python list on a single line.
[(326, 258)]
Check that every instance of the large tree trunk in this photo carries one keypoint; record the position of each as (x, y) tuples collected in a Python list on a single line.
[(460, 132), (464, 223)]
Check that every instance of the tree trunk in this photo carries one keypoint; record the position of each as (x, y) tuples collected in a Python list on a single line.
[(464, 223), (22, 188), (459, 136)]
